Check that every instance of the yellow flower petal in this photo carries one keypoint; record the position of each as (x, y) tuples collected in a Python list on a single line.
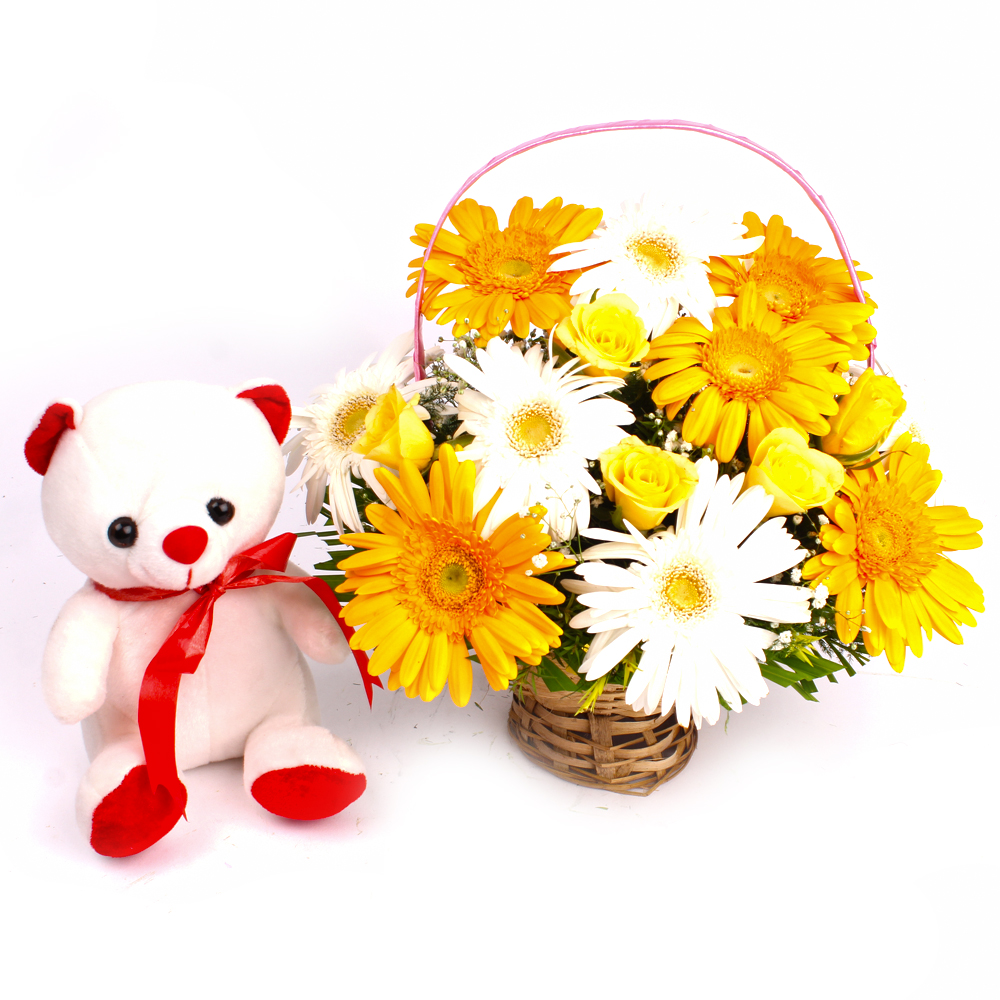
[(436, 582)]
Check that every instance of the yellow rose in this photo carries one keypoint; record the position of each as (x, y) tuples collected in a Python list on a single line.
[(394, 431), (606, 334), (866, 415), (797, 477), (646, 483)]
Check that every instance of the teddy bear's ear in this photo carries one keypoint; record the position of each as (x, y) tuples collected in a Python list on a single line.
[(62, 415), (273, 402)]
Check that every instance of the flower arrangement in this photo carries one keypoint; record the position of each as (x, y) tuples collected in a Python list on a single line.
[(652, 451)]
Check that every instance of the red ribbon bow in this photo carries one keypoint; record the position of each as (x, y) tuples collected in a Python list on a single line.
[(185, 646)]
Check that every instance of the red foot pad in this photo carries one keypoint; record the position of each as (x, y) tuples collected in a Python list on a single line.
[(133, 816), (307, 791)]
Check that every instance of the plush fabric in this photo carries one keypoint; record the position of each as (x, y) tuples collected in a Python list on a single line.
[(307, 791), (273, 402), (160, 454), (185, 545), (133, 816), (42, 441)]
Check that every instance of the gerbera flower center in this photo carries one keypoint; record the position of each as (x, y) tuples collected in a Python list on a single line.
[(353, 421), (896, 537), (683, 594), (454, 577), (535, 429), (515, 268), (513, 260), (346, 423), (659, 257), (788, 288), (449, 576), (745, 364)]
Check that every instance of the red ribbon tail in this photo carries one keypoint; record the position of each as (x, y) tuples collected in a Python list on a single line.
[(157, 722), (322, 590), (180, 654)]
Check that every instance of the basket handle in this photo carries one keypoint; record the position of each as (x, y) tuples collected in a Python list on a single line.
[(653, 123)]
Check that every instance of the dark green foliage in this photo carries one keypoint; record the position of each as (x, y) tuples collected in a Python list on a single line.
[(800, 668)]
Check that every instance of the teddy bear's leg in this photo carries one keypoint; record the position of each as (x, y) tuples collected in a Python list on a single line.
[(118, 811), (301, 771)]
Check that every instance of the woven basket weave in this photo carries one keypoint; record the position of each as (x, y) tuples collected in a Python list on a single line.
[(611, 747)]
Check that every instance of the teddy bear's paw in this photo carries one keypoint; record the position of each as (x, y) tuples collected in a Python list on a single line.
[(133, 816), (307, 791)]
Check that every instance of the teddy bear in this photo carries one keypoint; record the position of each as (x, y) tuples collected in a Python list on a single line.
[(185, 645)]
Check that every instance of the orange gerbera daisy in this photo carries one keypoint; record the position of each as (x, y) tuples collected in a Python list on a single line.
[(431, 581), (797, 285), (503, 273), (883, 556), (750, 369)]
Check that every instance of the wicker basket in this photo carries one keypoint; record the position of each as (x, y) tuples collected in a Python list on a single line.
[(611, 747)]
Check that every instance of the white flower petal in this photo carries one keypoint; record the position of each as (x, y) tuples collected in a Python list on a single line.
[(315, 489), (690, 512), (610, 576), (773, 602), (611, 654), (768, 551), (512, 390), (325, 444), (695, 648), (657, 282)]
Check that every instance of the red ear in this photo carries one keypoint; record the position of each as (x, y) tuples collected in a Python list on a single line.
[(273, 402), (42, 441)]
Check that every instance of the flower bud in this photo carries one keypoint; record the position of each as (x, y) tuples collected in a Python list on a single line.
[(797, 477), (606, 334), (646, 483), (394, 430), (865, 417)]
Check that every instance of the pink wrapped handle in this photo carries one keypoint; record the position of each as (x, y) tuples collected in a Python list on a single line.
[(814, 196)]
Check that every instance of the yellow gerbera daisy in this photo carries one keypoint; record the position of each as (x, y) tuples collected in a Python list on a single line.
[(883, 556), (750, 366), (503, 273), (431, 581), (797, 285)]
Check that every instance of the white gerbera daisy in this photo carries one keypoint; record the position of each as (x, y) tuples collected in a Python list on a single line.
[(683, 598), (535, 428), (657, 256), (332, 424)]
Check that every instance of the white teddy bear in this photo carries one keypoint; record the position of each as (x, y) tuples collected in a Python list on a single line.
[(151, 490)]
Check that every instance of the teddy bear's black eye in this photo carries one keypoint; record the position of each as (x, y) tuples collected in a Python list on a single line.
[(221, 511), (123, 532)]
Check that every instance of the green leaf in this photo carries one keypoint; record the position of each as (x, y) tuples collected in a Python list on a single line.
[(555, 678), (799, 669), (337, 555), (856, 457)]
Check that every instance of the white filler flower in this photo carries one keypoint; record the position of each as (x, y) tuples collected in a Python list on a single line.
[(657, 256), (535, 427), (332, 424), (683, 598)]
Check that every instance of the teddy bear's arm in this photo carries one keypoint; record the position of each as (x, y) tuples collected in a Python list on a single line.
[(309, 623), (77, 655)]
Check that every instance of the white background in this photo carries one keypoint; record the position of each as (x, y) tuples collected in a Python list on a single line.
[(220, 191)]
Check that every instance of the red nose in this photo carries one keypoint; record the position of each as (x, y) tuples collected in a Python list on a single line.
[(185, 545)]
